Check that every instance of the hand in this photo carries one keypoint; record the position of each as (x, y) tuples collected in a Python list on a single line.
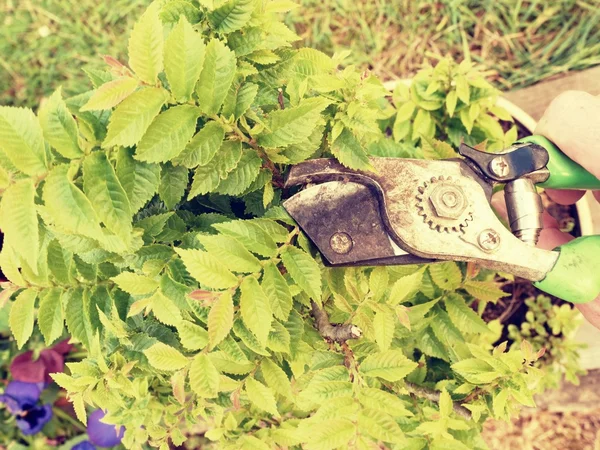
[(571, 122)]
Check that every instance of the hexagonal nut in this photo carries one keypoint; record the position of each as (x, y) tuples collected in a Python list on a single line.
[(448, 201)]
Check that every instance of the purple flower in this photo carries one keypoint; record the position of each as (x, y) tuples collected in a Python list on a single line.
[(103, 434), (85, 445), (22, 401)]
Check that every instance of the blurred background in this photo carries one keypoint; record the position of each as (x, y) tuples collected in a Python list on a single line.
[(517, 43)]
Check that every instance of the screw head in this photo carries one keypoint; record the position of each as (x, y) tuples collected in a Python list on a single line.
[(341, 242), (448, 201), (489, 240), (499, 166)]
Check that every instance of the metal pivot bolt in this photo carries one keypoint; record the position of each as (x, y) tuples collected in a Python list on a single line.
[(341, 242), (488, 240), (499, 166), (448, 201)]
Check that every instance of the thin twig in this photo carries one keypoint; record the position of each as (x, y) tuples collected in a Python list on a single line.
[(434, 396), (334, 332)]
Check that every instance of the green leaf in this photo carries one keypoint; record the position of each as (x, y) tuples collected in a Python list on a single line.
[(465, 319), (329, 434), (487, 291), (462, 89), (279, 338), (168, 134), (139, 180), (130, 120), (78, 321), (203, 146), (232, 15), (434, 149), (378, 282), (20, 317), (216, 77), (184, 58), (239, 99), (60, 262), (446, 275), (59, 126), (111, 94), (173, 182), (277, 291), (475, 371), (249, 442), (164, 309), (107, 196), (276, 378), (383, 401), (379, 425), (22, 141), (19, 221), (348, 151), (384, 324), (451, 100), (220, 319), (207, 270), (164, 357), (250, 235), (261, 396), (69, 208), (146, 47), (255, 309), (172, 12), (50, 316), (405, 288), (391, 365), (192, 336), (304, 270), (240, 178), (204, 377), (292, 125), (230, 252), (423, 125), (135, 284)]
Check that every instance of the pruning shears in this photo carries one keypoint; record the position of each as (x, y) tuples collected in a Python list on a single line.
[(410, 211)]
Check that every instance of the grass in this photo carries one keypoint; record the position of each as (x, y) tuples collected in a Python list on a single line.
[(45, 43)]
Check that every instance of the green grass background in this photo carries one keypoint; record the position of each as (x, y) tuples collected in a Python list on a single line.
[(46, 43)]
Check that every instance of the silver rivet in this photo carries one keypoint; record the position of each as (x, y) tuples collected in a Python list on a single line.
[(489, 240), (341, 243), (499, 166)]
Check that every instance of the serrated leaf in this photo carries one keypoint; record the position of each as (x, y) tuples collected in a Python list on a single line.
[(434, 149), (383, 401), (462, 89), (173, 182), (135, 284), (465, 319), (240, 178), (140, 180), (378, 282), (78, 321), (276, 378), (203, 146), (206, 269), (277, 291), (255, 309), (192, 336), (59, 126), (20, 317), (292, 125), (279, 338), (232, 15), (446, 275), (146, 47), (405, 288), (233, 255), (164, 309), (216, 76), (220, 319), (130, 120), (107, 196), (19, 221), (384, 324), (111, 94), (261, 396), (164, 357), (207, 178), (475, 371), (329, 434), (487, 291), (304, 270), (50, 316), (175, 9), (184, 58), (391, 365), (451, 100), (239, 99), (168, 134), (348, 151), (59, 262), (250, 235), (69, 208), (379, 425), (22, 141), (204, 377)]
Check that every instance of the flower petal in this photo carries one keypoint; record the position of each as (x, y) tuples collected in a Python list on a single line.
[(103, 434), (33, 420)]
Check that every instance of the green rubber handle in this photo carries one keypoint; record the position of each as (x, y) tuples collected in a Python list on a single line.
[(564, 172), (575, 276)]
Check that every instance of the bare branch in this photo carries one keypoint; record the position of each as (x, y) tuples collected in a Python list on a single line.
[(334, 332), (434, 396)]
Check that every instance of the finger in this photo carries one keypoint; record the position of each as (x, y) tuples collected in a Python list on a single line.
[(591, 311), (597, 195), (571, 123), (550, 238), (564, 197)]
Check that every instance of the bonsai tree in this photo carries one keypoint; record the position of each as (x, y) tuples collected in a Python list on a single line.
[(145, 214)]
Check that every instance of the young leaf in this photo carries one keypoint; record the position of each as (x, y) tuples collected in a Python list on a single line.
[(384, 325), (207, 270), (168, 134), (135, 284), (19, 221), (434, 149), (255, 309), (250, 235), (232, 15), (173, 182), (204, 377), (78, 321), (206, 179), (130, 120), (220, 319), (59, 126), (184, 57), (233, 255), (446, 275), (239, 99), (329, 434), (111, 94), (203, 146), (378, 282), (383, 401), (391, 365), (59, 262), (164, 357), (276, 378), (348, 151), (304, 270), (192, 336), (50, 316), (240, 178), (405, 287), (107, 196), (164, 309), (487, 291), (380, 426), (465, 319), (139, 180), (22, 141), (216, 76), (261, 396), (21, 316), (277, 291), (146, 47)]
